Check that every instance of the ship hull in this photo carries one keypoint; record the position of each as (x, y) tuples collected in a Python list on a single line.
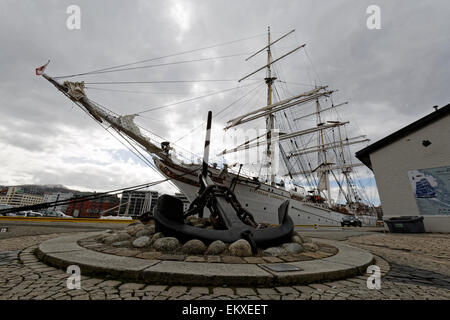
[(260, 199)]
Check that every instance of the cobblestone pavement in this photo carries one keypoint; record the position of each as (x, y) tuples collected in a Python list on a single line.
[(422, 251), (34, 228), (20, 243), (22, 276)]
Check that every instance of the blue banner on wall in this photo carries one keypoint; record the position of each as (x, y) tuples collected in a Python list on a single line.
[(431, 189)]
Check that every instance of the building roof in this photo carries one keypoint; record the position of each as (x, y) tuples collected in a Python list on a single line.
[(364, 154)]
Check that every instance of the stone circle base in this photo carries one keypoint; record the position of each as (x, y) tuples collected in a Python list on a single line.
[(65, 251)]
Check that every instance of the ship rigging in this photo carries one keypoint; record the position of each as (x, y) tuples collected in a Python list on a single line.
[(285, 133)]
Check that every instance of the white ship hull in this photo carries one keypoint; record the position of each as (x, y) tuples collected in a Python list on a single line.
[(262, 201)]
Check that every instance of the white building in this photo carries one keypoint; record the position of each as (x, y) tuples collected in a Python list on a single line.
[(134, 203), (151, 198), (58, 196), (412, 170), (16, 197)]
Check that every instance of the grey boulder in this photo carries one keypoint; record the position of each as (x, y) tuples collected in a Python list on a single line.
[(311, 246), (144, 232), (117, 237), (216, 247), (134, 228), (293, 247), (240, 248), (167, 244), (141, 242), (274, 251), (155, 237), (194, 247), (297, 239)]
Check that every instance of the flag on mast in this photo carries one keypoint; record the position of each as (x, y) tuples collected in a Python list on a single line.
[(40, 70)]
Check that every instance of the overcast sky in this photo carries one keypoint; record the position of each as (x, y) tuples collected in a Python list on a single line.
[(391, 76)]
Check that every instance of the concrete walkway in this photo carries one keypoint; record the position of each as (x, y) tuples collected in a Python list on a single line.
[(65, 251)]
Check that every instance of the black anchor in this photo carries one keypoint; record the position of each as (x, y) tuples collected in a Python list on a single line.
[(231, 221)]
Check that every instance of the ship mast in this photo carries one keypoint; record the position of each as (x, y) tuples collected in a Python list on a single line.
[(347, 180), (270, 118), (323, 157), (325, 167)]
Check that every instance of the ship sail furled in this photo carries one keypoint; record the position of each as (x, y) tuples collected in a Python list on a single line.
[(331, 145), (122, 124), (128, 123), (323, 185), (281, 137), (281, 105), (343, 168)]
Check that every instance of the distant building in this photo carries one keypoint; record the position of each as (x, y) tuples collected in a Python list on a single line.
[(3, 190), (153, 200), (412, 170), (25, 195), (185, 200), (134, 203), (3, 193), (15, 196), (92, 208), (52, 197)]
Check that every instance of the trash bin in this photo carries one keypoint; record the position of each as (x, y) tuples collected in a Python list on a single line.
[(406, 224)]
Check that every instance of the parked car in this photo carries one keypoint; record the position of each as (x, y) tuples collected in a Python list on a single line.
[(26, 214), (351, 221), (4, 207), (34, 214), (56, 214)]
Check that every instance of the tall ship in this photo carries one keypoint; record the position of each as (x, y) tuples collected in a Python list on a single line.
[(301, 148)]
